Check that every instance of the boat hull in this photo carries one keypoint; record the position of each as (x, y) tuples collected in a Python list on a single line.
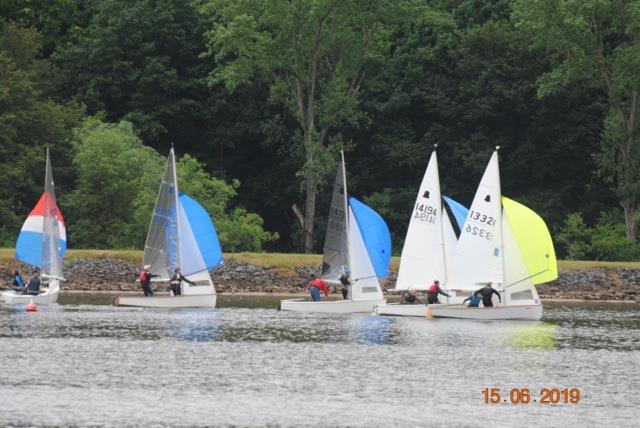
[(331, 306), (517, 312), (45, 298), (394, 309), (188, 301)]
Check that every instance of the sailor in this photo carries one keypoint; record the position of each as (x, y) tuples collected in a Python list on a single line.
[(344, 280), (434, 290), (33, 288), (18, 282), (315, 286), (474, 300), (487, 293), (145, 280), (176, 282), (410, 297)]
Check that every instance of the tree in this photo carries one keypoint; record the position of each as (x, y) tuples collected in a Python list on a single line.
[(29, 122), (118, 179), (315, 56), (598, 42)]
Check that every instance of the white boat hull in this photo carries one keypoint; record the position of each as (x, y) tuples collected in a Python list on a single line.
[(394, 309), (188, 301), (331, 306), (45, 298), (516, 312)]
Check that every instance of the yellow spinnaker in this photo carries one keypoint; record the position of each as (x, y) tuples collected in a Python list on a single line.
[(534, 241)]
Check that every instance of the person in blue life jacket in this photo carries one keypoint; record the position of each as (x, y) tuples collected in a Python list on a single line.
[(18, 282), (434, 290), (345, 284), (33, 288), (176, 282), (474, 300)]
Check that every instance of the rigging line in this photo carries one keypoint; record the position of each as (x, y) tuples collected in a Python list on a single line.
[(526, 278)]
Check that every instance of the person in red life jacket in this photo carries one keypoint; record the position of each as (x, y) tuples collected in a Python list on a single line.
[(145, 280), (487, 293), (315, 287), (434, 290)]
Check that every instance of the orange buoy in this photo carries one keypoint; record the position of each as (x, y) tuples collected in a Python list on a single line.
[(31, 307)]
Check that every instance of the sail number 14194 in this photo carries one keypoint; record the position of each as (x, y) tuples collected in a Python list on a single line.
[(525, 396)]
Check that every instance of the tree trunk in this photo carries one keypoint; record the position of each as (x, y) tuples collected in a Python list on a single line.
[(310, 213), (630, 207)]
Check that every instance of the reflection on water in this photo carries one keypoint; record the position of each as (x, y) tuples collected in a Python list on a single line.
[(247, 364), (534, 336)]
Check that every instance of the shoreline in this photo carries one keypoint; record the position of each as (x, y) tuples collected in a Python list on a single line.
[(242, 278), (297, 295)]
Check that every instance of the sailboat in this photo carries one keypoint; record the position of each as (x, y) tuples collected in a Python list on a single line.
[(357, 243), (429, 243), (502, 243), (42, 243), (181, 235)]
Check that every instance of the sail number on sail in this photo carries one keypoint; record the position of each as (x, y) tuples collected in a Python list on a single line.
[(425, 213)]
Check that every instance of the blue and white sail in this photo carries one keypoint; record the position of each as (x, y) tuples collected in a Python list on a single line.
[(181, 234), (376, 236)]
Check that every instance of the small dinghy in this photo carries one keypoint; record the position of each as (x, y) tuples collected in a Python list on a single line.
[(181, 235), (358, 244), (42, 243)]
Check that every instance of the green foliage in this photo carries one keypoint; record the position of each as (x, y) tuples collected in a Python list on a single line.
[(574, 238), (605, 241), (29, 122), (116, 190)]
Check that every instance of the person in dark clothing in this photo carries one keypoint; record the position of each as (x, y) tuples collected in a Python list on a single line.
[(409, 297), (145, 280), (176, 282), (434, 290), (344, 280), (18, 282), (474, 300), (33, 288), (487, 293)]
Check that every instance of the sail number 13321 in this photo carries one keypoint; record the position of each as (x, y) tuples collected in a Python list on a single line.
[(525, 396)]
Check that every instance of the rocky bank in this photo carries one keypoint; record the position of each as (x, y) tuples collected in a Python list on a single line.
[(236, 277)]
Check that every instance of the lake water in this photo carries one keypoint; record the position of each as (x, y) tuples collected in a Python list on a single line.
[(82, 363)]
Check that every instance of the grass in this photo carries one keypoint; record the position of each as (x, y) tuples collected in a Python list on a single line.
[(283, 261)]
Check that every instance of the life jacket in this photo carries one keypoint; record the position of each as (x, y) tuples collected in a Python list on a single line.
[(434, 289), (144, 276), (175, 279)]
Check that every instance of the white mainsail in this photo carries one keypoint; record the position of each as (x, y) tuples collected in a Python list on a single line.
[(335, 260), (52, 248), (161, 247), (478, 258), (430, 237)]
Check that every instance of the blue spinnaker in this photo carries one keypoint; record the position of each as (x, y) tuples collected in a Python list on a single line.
[(459, 211), (375, 235), (203, 230)]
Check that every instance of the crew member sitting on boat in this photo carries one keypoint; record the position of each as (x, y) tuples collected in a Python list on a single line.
[(176, 282), (344, 280), (474, 300), (410, 297), (33, 288), (18, 282), (487, 293), (434, 290), (145, 280), (315, 287)]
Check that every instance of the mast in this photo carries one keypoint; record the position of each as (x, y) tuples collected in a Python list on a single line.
[(176, 202), (440, 219), (346, 207), (501, 240)]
